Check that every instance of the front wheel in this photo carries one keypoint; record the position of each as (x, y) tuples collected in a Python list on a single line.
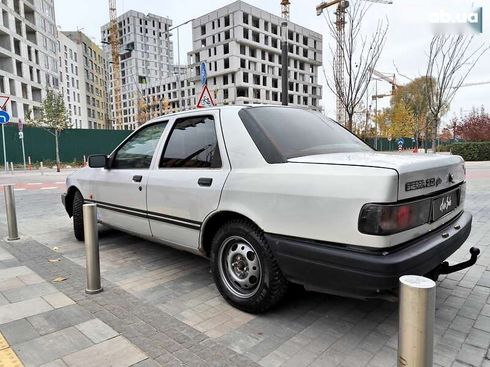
[(78, 216), (244, 268)]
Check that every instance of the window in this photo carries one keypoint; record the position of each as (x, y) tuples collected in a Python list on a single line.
[(297, 133), (192, 144), (137, 152)]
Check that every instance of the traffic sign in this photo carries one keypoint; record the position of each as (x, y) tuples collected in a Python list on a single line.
[(401, 141), (205, 99), (21, 135), (204, 76), (20, 125), (4, 117), (3, 101)]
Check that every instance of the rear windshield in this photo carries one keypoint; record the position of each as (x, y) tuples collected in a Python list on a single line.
[(281, 133)]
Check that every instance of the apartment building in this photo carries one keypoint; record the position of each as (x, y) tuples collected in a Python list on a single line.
[(166, 96), (146, 59), (72, 81), (241, 46), (28, 54), (93, 81)]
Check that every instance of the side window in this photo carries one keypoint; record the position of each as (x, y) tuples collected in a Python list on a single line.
[(138, 151), (192, 144)]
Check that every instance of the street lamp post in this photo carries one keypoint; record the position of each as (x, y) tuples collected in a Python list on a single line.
[(179, 88)]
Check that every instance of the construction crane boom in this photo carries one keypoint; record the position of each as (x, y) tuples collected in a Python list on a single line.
[(474, 84), (116, 65)]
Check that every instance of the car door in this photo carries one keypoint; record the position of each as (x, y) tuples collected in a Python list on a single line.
[(186, 185), (120, 190)]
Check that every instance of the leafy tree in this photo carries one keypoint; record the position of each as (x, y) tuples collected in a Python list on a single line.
[(53, 117), (414, 96), (403, 121), (475, 126), (395, 122), (383, 119)]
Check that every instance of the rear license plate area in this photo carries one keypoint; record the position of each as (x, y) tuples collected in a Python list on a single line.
[(444, 204)]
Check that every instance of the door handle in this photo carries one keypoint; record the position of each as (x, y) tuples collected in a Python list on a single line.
[(137, 178), (205, 181)]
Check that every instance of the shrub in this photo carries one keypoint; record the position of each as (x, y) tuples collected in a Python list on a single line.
[(444, 148), (472, 151)]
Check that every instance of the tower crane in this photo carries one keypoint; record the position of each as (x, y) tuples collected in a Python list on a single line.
[(116, 65), (387, 77), (342, 6)]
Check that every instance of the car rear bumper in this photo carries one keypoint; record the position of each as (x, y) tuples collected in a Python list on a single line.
[(345, 270)]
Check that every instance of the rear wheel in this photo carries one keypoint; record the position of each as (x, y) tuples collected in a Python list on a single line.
[(244, 268), (78, 216)]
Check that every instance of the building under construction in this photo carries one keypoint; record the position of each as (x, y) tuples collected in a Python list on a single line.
[(241, 47), (146, 57)]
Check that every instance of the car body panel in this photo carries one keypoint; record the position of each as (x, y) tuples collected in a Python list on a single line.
[(410, 168), (175, 193), (309, 199)]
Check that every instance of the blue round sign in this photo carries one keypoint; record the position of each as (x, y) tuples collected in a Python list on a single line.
[(204, 76), (4, 117), (400, 141)]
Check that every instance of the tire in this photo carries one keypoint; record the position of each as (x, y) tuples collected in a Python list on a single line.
[(244, 268), (78, 216)]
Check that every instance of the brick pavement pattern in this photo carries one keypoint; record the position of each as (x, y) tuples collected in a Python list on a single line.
[(163, 302)]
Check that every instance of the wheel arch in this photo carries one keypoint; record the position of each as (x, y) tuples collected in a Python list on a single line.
[(211, 225)]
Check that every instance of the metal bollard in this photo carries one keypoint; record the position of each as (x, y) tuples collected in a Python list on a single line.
[(416, 323), (41, 168), (8, 191), (91, 235), (12, 167)]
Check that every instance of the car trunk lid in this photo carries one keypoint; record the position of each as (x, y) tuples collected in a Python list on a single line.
[(419, 174)]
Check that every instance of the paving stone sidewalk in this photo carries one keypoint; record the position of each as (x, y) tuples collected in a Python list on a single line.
[(57, 324)]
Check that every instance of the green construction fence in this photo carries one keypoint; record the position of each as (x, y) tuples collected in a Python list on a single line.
[(74, 144)]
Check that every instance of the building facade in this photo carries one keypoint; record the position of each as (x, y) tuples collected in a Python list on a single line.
[(72, 81), (167, 97), (146, 59), (93, 78), (241, 46), (28, 54)]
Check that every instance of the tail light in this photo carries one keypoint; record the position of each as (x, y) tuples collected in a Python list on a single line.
[(378, 219)]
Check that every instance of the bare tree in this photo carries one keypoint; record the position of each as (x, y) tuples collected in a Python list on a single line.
[(354, 61), (451, 58)]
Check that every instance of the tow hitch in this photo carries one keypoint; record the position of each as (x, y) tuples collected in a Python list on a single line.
[(445, 268)]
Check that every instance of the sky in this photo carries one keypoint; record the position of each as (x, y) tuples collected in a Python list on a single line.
[(408, 38)]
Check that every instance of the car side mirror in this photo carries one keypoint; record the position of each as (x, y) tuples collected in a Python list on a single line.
[(97, 161)]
